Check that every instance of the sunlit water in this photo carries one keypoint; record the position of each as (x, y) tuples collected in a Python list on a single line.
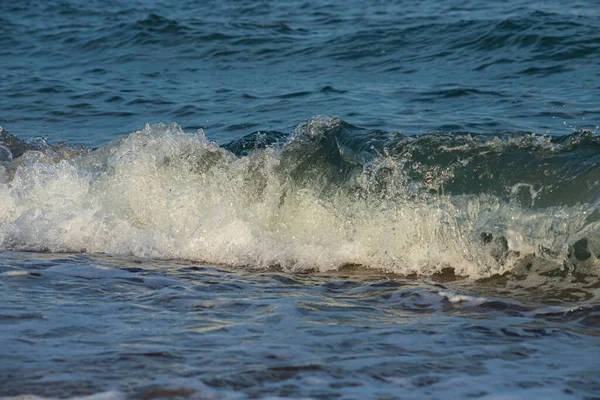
[(437, 237)]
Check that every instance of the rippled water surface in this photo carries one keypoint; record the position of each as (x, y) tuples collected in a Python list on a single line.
[(84, 324), (296, 199), (86, 71)]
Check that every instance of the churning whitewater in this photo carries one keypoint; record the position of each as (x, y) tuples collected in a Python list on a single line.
[(325, 196)]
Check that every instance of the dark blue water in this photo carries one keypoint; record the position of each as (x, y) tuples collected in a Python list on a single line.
[(299, 199), (89, 71)]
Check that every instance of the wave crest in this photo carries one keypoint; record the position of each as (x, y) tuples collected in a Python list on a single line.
[(328, 195)]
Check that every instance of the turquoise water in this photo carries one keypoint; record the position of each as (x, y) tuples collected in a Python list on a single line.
[(299, 200)]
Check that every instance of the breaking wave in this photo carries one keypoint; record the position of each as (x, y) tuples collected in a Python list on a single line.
[(325, 196)]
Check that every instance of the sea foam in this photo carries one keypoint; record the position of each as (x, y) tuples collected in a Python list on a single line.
[(316, 201)]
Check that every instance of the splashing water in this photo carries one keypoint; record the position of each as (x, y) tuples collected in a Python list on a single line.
[(327, 196)]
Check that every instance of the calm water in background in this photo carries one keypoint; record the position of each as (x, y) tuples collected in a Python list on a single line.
[(393, 200)]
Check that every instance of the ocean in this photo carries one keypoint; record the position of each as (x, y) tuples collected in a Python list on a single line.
[(299, 199)]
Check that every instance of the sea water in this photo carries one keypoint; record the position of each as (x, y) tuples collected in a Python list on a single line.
[(296, 199)]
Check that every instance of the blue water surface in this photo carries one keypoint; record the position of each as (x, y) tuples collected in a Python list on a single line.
[(89, 71)]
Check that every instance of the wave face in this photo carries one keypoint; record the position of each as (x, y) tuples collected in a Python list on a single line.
[(328, 195)]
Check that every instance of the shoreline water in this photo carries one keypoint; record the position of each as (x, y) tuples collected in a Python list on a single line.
[(182, 329)]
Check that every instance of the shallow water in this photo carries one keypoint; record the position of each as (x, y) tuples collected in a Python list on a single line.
[(299, 200), (81, 324)]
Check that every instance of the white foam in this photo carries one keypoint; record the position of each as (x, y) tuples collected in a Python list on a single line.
[(15, 273), (162, 193), (112, 395), (462, 298)]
